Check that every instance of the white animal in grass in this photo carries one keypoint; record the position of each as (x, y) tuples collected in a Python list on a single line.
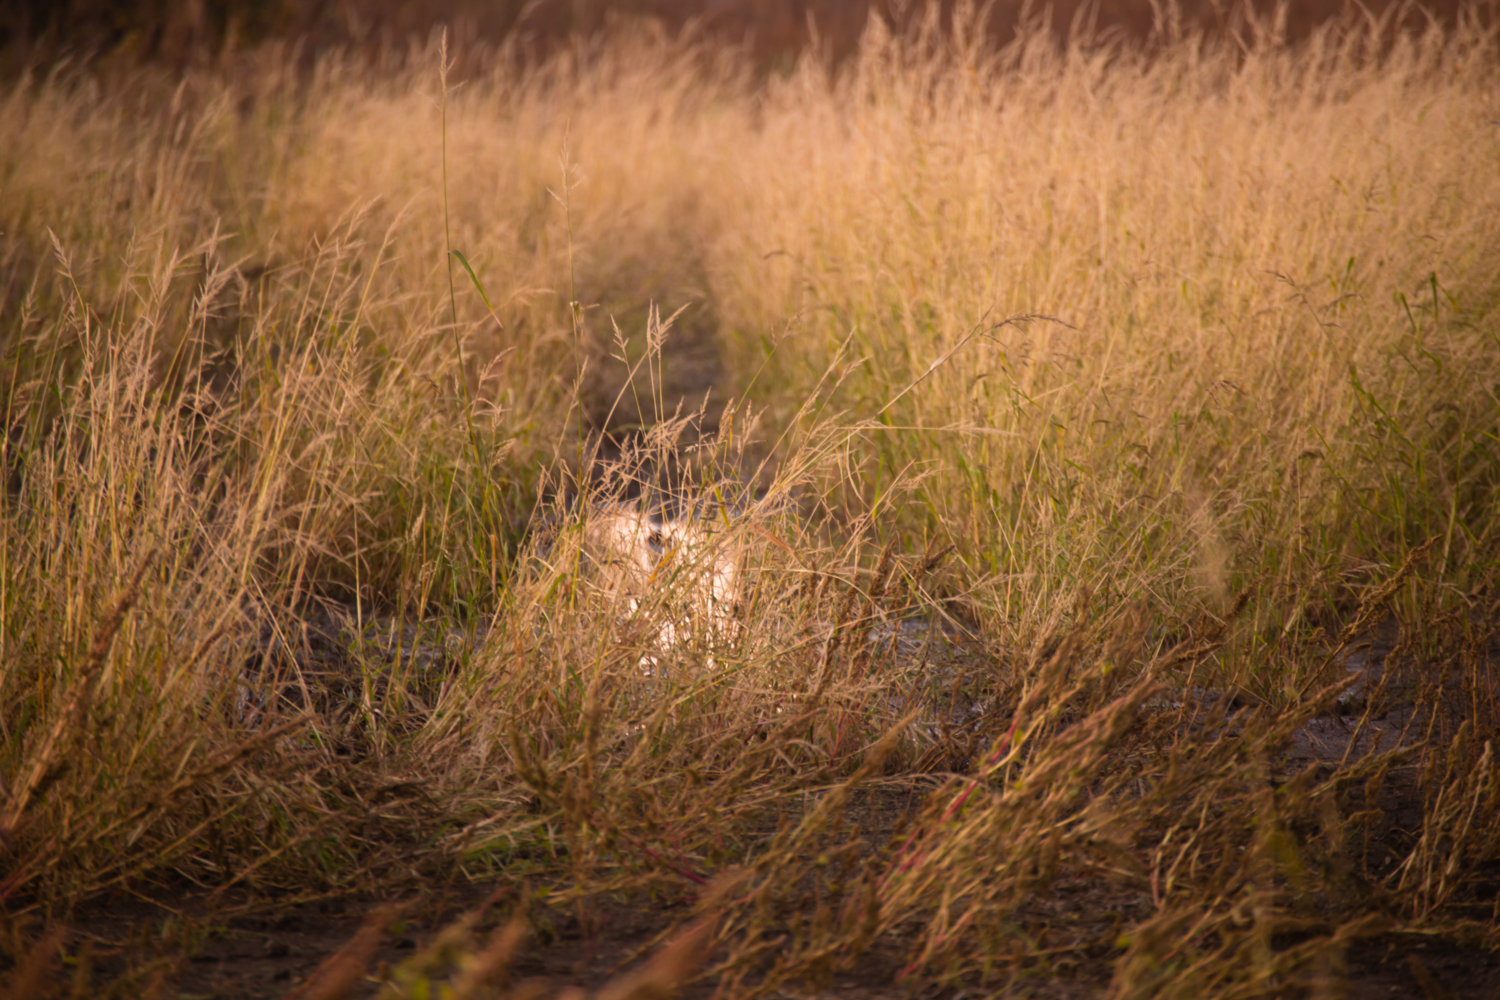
[(678, 577)]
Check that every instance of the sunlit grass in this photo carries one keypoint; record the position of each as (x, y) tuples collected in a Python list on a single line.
[(1129, 376)]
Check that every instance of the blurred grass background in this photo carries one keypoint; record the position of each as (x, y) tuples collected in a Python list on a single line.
[(775, 32)]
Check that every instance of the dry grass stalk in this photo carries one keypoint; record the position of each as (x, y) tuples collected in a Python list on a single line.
[(338, 976)]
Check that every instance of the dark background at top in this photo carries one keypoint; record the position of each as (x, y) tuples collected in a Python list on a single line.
[(184, 32)]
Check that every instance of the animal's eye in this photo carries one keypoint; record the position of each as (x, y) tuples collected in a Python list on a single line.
[(656, 540)]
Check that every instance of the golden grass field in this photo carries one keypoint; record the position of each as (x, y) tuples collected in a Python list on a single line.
[(1161, 383)]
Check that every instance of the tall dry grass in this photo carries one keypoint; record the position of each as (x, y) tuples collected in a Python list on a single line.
[(1267, 271), (1189, 356), (1271, 346)]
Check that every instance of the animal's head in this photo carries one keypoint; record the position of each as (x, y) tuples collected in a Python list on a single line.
[(634, 552)]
